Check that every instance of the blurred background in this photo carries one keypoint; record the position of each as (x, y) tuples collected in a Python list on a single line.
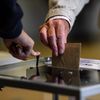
[(87, 25), (86, 29)]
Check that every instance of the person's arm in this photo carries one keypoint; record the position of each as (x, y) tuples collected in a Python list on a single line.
[(18, 42), (59, 21), (10, 19), (65, 8)]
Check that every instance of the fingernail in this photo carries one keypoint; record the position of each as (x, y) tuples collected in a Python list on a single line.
[(37, 53), (54, 53), (61, 51), (34, 53)]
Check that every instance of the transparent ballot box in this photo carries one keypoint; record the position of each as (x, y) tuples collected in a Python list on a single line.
[(74, 84)]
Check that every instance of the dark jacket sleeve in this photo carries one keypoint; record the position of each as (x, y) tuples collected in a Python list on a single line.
[(10, 19)]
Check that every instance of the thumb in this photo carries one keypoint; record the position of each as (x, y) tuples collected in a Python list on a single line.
[(35, 53)]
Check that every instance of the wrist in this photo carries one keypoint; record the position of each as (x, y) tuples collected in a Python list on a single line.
[(62, 18)]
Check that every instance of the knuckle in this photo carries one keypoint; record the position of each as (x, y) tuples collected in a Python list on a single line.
[(50, 23), (59, 22), (59, 36), (41, 31), (50, 34), (43, 28), (50, 37), (30, 46)]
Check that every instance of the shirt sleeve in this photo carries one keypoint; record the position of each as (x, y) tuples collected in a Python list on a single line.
[(10, 19), (69, 9)]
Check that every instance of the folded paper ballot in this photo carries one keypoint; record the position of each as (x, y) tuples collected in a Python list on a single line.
[(71, 59)]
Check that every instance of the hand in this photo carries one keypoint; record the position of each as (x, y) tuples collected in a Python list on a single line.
[(54, 34), (21, 47)]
